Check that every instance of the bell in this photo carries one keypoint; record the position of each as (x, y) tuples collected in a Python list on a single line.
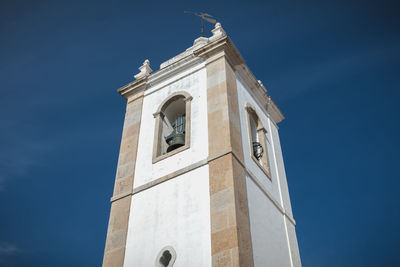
[(177, 137), (258, 150), (175, 140)]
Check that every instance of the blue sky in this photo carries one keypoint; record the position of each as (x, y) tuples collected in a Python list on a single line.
[(331, 66)]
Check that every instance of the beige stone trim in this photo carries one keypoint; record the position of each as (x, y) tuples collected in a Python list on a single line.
[(220, 154), (159, 115), (114, 251), (117, 197), (227, 48), (133, 87), (135, 97), (265, 192), (230, 227), (199, 164), (172, 175), (224, 44), (233, 57)]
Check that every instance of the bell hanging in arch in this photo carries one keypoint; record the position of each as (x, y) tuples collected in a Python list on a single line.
[(177, 137)]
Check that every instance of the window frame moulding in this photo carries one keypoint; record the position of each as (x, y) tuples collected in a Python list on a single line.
[(261, 132), (159, 114)]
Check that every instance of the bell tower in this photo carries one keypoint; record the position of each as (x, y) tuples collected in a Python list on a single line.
[(200, 178)]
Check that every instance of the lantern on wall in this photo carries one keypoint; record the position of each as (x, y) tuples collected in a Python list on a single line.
[(258, 150)]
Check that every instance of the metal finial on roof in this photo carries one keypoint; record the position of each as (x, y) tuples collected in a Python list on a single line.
[(203, 17)]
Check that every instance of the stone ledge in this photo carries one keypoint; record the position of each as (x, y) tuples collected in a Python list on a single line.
[(133, 88), (198, 165)]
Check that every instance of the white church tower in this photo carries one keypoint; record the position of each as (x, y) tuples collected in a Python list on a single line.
[(200, 178)]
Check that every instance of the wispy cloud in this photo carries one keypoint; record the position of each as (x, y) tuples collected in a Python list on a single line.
[(19, 151), (7, 248), (338, 67)]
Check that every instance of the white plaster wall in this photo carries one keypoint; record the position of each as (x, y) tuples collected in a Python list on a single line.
[(273, 235), (244, 97), (192, 81), (174, 213), (290, 227), (280, 169), (268, 234), (294, 247)]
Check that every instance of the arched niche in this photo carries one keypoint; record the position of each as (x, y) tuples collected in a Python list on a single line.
[(172, 126), (257, 140)]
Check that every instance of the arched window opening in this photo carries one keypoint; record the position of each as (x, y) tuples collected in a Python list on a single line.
[(172, 131), (258, 141), (174, 125), (166, 257), (257, 147)]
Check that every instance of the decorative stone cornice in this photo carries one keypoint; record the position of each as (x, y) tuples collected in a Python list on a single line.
[(222, 44), (133, 88), (144, 70), (204, 49), (217, 32), (173, 69), (140, 84), (257, 87), (199, 42), (274, 111)]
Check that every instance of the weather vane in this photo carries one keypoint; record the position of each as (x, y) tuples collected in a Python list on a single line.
[(204, 17)]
